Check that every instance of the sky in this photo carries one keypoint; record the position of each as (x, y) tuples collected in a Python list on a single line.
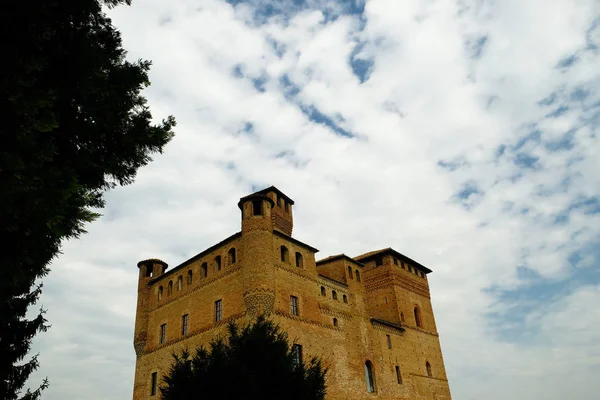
[(464, 134)]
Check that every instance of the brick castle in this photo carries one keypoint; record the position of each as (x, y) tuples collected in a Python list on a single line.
[(369, 317)]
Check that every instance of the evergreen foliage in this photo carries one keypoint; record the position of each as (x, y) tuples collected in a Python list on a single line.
[(254, 363), (73, 125)]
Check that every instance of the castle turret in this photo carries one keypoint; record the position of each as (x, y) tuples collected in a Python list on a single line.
[(258, 270), (149, 269)]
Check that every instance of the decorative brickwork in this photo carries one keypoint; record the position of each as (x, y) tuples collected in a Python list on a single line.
[(349, 311)]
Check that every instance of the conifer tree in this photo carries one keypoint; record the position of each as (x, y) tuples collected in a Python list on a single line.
[(73, 124), (252, 363)]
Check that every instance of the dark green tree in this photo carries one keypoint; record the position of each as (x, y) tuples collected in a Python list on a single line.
[(253, 363), (73, 124)]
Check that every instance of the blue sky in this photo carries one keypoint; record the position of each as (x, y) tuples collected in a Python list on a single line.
[(463, 133)]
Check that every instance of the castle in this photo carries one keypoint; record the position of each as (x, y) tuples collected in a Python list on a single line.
[(369, 318)]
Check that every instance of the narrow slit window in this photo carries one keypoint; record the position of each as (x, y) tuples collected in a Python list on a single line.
[(189, 277), (350, 272), (389, 341), (218, 310), (299, 260), (323, 291), (428, 369), (345, 298), (170, 288), (179, 283), (163, 334), (357, 276), (218, 263), (398, 375), (184, 324), (294, 306), (284, 254), (335, 322), (231, 256), (160, 292), (204, 270), (418, 321), (153, 384), (370, 377), (334, 294)]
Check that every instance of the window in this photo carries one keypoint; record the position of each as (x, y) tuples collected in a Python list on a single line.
[(256, 207), (204, 270), (389, 341), (184, 324), (378, 261), (335, 323), (179, 283), (357, 276), (279, 201), (422, 275), (294, 305), (402, 265), (398, 375), (299, 260), (386, 300), (218, 263), (163, 334), (218, 310), (345, 298), (189, 277), (170, 288), (287, 206), (297, 354), (323, 291), (153, 384), (402, 316), (395, 261), (334, 294), (428, 368), (231, 256), (350, 272), (418, 317), (284, 254), (160, 292), (369, 377)]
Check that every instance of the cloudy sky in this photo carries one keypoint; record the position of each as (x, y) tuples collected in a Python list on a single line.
[(463, 133)]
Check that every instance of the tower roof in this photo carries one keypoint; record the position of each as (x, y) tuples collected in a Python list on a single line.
[(268, 190), (388, 250)]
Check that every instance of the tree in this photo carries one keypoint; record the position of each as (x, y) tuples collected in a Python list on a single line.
[(73, 124), (255, 362)]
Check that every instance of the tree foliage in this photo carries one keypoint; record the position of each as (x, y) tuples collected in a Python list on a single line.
[(254, 363), (73, 125)]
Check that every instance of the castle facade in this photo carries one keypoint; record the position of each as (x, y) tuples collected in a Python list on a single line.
[(369, 318)]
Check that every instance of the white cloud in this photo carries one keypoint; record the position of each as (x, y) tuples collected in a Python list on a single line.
[(425, 101)]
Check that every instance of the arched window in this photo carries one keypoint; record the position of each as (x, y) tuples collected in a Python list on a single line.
[(334, 294), (204, 270), (218, 263), (345, 298), (299, 260), (323, 291), (370, 377), (350, 272), (335, 323), (160, 292), (284, 254), (418, 317), (179, 283), (170, 288), (357, 276), (189, 277), (428, 368), (231, 256), (402, 316)]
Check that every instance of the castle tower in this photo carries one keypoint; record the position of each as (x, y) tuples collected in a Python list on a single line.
[(148, 270), (257, 248), (281, 211)]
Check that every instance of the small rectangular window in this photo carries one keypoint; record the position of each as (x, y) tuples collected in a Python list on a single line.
[(395, 261), (218, 310), (398, 375), (256, 207), (389, 341), (294, 305), (379, 261), (287, 206), (184, 325), (297, 354), (163, 333), (153, 384), (402, 265)]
